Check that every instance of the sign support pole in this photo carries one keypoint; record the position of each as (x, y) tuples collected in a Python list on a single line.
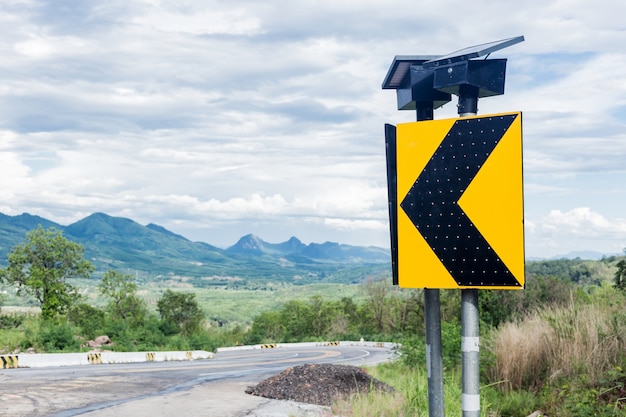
[(432, 317), (432, 307), (470, 316), (470, 354)]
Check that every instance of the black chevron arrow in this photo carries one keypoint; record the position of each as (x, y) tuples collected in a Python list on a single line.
[(432, 203)]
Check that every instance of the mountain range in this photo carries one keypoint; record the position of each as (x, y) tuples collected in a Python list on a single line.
[(153, 252)]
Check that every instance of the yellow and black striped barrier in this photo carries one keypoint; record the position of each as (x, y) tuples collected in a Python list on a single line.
[(94, 358), (332, 344), (380, 344), (9, 361), (269, 346), (149, 356)]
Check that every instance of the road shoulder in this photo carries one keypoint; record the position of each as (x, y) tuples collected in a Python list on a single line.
[(224, 399)]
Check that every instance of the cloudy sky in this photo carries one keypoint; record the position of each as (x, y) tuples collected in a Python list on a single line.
[(220, 118)]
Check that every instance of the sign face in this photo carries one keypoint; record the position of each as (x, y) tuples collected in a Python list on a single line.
[(460, 203)]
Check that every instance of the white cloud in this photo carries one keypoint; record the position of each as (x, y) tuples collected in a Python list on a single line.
[(230, 21), (579, 229), (349, 224), (583, 222), (221, 117)]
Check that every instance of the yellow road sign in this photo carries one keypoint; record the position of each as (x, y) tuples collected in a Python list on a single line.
[(460, 203)]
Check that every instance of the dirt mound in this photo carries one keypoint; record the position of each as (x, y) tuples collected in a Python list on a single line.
[(317, 384)]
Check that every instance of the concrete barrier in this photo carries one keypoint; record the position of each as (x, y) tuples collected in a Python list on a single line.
[(9, 361), (362, 343), (38, 360)]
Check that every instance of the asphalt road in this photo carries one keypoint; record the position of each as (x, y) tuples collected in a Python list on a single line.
[(212, 387)]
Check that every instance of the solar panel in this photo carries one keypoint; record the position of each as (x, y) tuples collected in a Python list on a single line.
[(472, 52), (400, 67)]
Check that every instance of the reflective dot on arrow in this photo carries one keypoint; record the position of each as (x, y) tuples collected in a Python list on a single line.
[(433, 201)]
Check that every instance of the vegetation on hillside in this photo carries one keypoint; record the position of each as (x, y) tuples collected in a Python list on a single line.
[(153, 253)]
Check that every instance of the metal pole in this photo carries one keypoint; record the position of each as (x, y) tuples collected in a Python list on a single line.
[(470, 354), (432, 313), (432, 307), (470, 318)]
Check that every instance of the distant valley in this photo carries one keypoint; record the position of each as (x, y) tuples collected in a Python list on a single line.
[(154, 253)]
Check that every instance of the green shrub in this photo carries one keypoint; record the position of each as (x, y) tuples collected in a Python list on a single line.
[(11, 321), (168, 328), (10, 340), (450, 344), (88, 318), (579, 397), (148, 337), (512, 403), (203, 341), (54, 337), (413, 351)]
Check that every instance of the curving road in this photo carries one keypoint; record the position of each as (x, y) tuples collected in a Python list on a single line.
[(205, 387)]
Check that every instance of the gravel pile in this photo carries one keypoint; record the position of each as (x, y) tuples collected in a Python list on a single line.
[(317, 384)]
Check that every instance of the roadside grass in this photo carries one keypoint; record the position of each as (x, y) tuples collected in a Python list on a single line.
[(561, 361), (17, 330), (564, 361), (558, 343), (9, 338), (410, 398)]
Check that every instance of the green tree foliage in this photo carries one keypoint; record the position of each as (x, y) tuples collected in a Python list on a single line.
[(124, 303), (497, 306), (88, 318), (117, 286), (384, 312), (266, 328), (578, 271), (57, 337), (41, 267), (619, 280), (181, 310), (377, 294)]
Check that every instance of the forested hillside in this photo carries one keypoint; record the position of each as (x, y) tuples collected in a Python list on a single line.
[(153, 253)]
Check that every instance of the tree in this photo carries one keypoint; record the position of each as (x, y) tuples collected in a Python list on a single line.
[(117, 286), (296, 318), (41, 267), (323, 313), (124, 303), (620, 275), (377, 295), (89, 318), (182, 310), (267, 327)]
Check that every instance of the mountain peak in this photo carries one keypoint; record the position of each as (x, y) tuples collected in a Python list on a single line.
[(249, 244), (102, 224), (28, 221)]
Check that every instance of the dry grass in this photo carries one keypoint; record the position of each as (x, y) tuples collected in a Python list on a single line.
[(557, 342), (586, 339), (522, 351), (410, 398)]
